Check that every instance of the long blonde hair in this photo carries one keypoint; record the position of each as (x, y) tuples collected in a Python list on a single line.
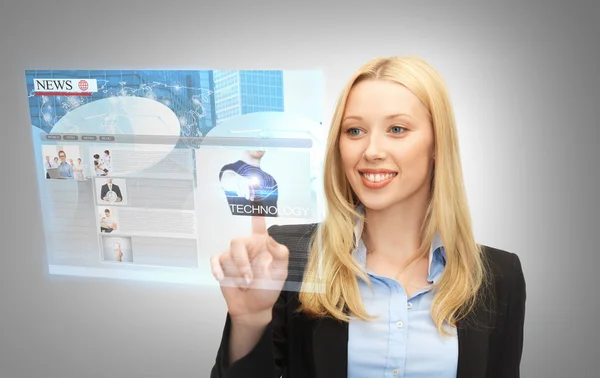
[(331, 264)]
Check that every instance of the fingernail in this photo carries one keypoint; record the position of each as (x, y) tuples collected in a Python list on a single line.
[(247, 279), (219, 276)]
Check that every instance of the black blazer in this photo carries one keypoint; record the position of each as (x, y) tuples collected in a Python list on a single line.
[(296, 346), (104, 191)]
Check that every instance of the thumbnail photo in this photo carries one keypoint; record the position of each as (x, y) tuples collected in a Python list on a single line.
[(109, 221), (247, 185), (255, 182), (102, 163), (111, 191), (63, 162), (116, 249)]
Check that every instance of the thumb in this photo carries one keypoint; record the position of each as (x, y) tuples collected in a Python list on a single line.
[(279, 251)]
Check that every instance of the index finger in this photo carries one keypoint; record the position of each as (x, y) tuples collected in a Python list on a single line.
[(259, 225)]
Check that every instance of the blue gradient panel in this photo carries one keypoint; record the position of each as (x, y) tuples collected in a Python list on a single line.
[(189, 95)]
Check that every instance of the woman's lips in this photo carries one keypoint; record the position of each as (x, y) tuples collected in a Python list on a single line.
[(376, 179)]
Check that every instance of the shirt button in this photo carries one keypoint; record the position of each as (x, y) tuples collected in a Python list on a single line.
[(399, 324), (409, 305), (396, 372)]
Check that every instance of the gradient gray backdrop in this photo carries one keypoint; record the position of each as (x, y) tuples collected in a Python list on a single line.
[(525, 83)]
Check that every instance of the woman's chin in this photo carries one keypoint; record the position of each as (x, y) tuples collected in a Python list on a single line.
[(376, 204)]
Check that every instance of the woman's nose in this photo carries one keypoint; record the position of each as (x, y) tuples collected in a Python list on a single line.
[(375, 150)]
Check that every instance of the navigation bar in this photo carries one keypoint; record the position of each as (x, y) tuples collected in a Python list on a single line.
[(190, 142)]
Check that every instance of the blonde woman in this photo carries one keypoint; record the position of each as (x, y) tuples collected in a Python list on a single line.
[(406, 290)]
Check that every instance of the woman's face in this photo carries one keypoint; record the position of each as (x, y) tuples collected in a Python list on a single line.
[(386, 144)]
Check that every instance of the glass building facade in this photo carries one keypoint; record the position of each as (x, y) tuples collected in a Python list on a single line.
[(247, 91)]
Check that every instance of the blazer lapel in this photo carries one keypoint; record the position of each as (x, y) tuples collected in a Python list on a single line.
[(330, 346)]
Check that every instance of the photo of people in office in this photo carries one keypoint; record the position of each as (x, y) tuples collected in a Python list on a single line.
[(117, 249), (111, 191), (102, 163), (63, 163), (108, 218), (248, 189)]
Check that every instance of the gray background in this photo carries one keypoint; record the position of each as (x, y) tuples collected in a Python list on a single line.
[(525, 83)]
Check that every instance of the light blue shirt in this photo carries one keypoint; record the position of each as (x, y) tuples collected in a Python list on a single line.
[(403, 341), (65, 170)]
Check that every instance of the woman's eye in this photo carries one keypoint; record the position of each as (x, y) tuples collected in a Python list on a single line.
[(353, 131), (397, 129)]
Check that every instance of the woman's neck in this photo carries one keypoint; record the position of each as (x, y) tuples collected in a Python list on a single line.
[(251, 160), (394, 234)]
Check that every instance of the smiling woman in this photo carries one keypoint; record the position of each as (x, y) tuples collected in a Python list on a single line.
[(386, 141), (407, 291)]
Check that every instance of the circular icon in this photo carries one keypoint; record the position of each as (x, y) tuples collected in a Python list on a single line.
[(111, 196), (83, 85)]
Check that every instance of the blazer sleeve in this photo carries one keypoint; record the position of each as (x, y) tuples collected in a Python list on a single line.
[(266, 359), (512, 347)]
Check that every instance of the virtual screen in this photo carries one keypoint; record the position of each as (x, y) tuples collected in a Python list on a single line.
[(144, 175)]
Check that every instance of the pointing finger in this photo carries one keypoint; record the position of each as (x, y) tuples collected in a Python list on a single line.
[(259, 225)]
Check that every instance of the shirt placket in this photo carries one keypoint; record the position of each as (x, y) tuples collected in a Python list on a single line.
[(398, 326)]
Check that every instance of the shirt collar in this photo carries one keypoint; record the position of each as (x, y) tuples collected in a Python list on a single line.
[(437, 252)]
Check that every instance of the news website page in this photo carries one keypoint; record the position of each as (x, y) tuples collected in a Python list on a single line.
[(144, 175)]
